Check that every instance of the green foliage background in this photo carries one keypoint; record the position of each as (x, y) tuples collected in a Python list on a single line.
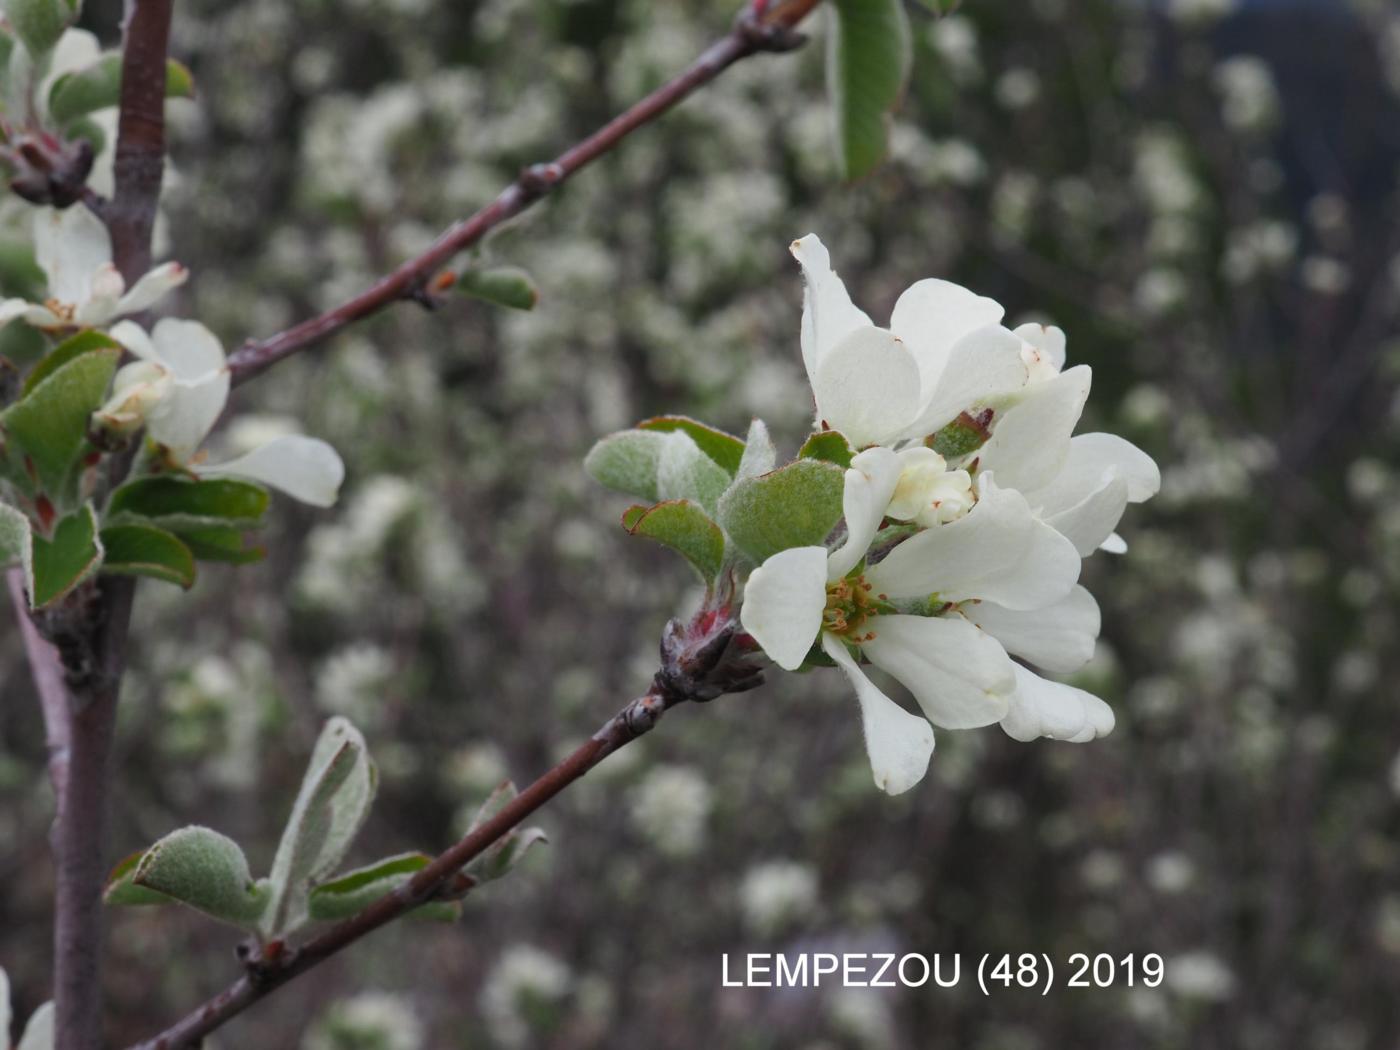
[(1229, 272)]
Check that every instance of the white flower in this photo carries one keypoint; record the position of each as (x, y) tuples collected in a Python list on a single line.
[(944, 351), (928, 493), (775, 893), (38, 1033), (961, 677), (180, 385), (74, 250)]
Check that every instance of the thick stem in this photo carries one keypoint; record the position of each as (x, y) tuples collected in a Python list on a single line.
[(752, 33), (94, 665), (269, 970)]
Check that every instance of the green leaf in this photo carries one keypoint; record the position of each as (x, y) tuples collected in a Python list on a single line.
[(207, 871), (725, 449), (39, 23), (122, 890), (352, 892), (50, 422), (506, 852), (74, 346), (683, 527), (795, 506), (216, 543), (64, 560), (867, 65), (658, 465), (20, 274), (503, 285), (626, 462), (180, 503), (829, 446), (144, 550), (759, 454), (334, 799), (99, 86)]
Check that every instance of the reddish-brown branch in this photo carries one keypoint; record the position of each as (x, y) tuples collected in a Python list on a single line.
[(267, 972), (770, 31)]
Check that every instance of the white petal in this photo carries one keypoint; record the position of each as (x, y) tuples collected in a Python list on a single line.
[(1047, 340), (932, 315), (76, 50), (11, 309), (1091, 521), (43, 317), (70, 246), (39, 1032), (899, 743), (828, 315), (1046, 571), (783, 604), (1091, 460), (184, 417), (305, 468), (152, 287), (870, 482), (4, 1007), (1059, 637), (960, 676), (1115, 544), (982, 366), (187, 348), (103, 296), (950, 559), (1040, 707), (867, 387), (135, 338), (1030, 440)]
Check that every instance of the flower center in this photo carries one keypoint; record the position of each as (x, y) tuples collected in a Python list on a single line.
[(850, 602)]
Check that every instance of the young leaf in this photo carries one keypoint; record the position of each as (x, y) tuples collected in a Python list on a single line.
[(683, 527), (50, 422), (99, 86), (795, 506), (725, 449), (73, 346), (352, 892), (503, 285), (683, 471), (829, 446), (626, 462), (122, 890), (20, 274), (180, 504), (335, 796), (207, 871), (867, 65), (759, 454), (144, 550), (64, 560), (15, 543), (39, 23), (504, 854)]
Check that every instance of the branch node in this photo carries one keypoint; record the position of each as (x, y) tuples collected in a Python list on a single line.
[(538, 179), (760, 34)]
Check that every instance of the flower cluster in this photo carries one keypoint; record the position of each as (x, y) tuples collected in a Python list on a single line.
[(964, 506), (76, 406)]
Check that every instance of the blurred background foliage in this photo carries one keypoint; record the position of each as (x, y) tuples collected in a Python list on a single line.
[(1204, 196)]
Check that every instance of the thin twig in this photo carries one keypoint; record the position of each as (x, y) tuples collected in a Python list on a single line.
[(47, 669), (268, 970), (752, 33)]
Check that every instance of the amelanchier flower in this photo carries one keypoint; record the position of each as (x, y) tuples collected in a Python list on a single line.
[(908, 613), (85, 289), (178, 388)]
